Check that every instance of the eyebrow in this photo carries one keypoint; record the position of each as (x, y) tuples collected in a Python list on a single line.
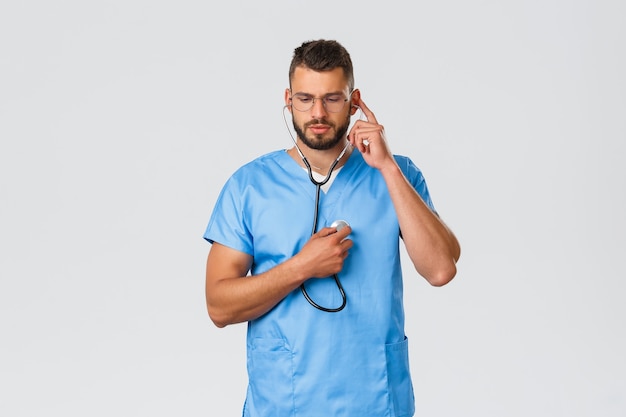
[(325, 95)]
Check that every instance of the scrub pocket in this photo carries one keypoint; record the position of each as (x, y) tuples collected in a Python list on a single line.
[(270, 366), (399, 379)]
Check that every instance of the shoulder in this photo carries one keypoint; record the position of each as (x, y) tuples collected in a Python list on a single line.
[(408, 167), (269, 158), (258, 166)]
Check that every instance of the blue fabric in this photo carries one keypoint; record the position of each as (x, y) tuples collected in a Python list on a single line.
[(302, 361)]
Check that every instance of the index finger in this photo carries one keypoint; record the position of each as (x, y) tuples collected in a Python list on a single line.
[(367, 112), (344, 231)]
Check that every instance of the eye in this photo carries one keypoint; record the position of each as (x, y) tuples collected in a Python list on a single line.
[(303, 99), (335, 98)]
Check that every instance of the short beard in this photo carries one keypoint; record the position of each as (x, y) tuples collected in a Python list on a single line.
[(320, 144)]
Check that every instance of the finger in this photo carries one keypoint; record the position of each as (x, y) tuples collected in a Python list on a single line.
[(346, 245), (326, 231), (367, 112), (356, 139), (355, 130), (365, 136), (344, 232)]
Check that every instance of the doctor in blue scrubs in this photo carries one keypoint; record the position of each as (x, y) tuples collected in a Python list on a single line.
[(323, 300)]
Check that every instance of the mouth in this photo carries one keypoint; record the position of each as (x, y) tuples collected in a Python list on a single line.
[(319, 128)]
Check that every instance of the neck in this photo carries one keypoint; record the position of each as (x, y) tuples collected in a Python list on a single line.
[(321, 160)]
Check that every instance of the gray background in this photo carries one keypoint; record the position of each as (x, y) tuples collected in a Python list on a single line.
[(121, 120)]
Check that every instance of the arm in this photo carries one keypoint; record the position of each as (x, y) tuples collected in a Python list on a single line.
[(234, 297), (431, 245)]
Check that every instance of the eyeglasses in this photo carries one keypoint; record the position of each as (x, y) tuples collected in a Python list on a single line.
[(333, 103)]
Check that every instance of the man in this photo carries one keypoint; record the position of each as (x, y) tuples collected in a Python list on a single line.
[(348, 356)]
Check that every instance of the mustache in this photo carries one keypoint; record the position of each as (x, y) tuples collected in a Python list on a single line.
[(319, 122)]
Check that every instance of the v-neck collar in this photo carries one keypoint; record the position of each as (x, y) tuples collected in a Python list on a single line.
[(301, 176)]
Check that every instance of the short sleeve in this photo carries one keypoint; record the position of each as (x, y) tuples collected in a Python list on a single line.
[(416, 178), (227, 224)]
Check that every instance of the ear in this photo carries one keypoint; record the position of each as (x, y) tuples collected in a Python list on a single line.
[(355, 98), (288, 99)]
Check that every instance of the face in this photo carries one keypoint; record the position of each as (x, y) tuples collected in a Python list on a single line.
[(316, 127)]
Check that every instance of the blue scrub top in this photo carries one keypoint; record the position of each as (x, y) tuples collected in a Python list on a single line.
[(302, 361)]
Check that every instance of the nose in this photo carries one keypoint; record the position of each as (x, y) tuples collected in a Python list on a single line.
[(318, 110)]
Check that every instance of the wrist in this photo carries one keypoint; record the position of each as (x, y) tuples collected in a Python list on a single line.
[(295, 270), (390, 167)]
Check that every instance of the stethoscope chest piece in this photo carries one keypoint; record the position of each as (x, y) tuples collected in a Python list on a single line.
[(339, 224)]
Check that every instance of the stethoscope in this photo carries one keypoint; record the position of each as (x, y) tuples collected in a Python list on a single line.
[(339, 224)]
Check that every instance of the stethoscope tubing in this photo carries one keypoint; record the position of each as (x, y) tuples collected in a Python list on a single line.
[(318, 187)]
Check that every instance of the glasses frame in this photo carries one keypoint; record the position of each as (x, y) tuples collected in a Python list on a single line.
[(323, 98)]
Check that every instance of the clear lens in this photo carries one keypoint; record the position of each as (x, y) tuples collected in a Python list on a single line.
[(333, 103)]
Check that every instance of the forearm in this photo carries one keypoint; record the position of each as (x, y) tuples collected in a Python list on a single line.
[(243, 298), (431, 245)]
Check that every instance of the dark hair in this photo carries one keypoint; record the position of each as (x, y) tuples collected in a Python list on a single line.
[(322, 55)]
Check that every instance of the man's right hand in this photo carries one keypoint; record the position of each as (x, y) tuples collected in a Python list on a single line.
[(323, 255)]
